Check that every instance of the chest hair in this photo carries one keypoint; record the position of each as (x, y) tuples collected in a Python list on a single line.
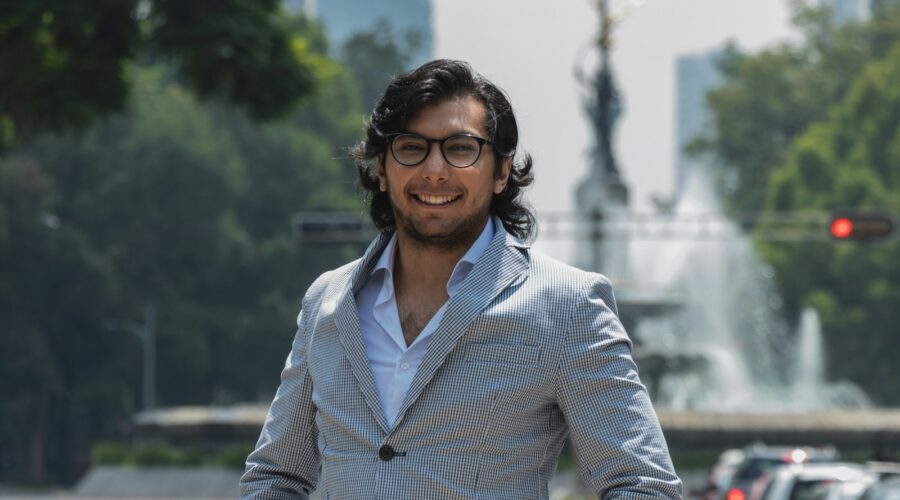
[(415, 313)]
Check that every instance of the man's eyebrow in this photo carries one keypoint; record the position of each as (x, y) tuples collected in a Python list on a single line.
[(458, 132)]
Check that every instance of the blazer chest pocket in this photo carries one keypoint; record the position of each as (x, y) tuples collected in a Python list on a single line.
[(514, 354)]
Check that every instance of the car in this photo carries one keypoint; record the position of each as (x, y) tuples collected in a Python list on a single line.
[(888, 488), (818, 481), (721, 473), (884, 469), (760, 459)]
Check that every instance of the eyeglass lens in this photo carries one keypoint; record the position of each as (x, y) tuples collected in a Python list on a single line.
[(459, 150)]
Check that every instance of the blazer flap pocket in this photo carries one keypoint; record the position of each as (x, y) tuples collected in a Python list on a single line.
[(518, 354)]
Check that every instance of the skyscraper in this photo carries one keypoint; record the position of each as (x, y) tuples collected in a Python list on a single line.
[(306, 6), (845, 11), (697, 74), (343, 18)]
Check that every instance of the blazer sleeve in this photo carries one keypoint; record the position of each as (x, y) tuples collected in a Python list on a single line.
[(285, 463), (615, 432)]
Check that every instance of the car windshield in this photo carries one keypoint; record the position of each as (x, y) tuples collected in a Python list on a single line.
[(808, 490), (885, 492), (757, 467)]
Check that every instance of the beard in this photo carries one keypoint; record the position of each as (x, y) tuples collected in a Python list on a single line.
[(451, 235)]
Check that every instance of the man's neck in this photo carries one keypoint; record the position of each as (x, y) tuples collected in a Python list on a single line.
[(424, 268), (421, 274)]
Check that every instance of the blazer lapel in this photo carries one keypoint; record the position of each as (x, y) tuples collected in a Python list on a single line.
[(504, 261), (347, 320)]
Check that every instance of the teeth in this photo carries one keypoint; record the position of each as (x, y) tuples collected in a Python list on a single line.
[(435, 200)]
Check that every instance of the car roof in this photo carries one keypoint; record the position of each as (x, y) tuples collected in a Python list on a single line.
[(842, 471), (776, 452)]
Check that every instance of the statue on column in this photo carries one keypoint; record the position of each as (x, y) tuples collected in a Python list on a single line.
[(604, 106), (603, 198)]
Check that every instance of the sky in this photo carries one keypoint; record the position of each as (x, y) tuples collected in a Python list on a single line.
[(530, 49)]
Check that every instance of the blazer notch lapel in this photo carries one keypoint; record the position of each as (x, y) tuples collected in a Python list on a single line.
[(347, 322), (504, 263)]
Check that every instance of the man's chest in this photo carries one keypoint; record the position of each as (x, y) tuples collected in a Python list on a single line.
[(416, 311), (500, 370)]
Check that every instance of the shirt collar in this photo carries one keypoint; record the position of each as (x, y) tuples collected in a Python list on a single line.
[(468, 261), (386, 260)]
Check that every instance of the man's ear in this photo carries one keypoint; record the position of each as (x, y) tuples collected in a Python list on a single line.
[(503, 175), (382, 177)]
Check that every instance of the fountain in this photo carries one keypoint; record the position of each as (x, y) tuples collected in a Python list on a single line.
[(730, 322), (706, 317)]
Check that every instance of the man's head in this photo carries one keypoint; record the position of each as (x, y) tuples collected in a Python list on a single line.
[(438, 196)]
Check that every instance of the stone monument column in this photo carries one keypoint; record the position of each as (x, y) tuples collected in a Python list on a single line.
[(602, 198)]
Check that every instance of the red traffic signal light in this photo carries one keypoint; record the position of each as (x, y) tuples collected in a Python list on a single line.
[(842, 227), (861, 227)]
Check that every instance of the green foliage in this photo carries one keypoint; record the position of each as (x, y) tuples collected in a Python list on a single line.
[(63, 63), (375, 56), (54, 285), (107, 453), (695, 460), (849, 160), (814, 127), (237, 49), (178, 203), (163, 454), (769, 99), (230, 456)]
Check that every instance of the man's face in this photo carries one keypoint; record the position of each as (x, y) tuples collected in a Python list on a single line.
[(435, 203)]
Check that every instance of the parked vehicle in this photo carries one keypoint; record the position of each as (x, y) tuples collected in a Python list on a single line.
[(888, 488), (818, 481), (721, 473), (884, 469), (760, 459)]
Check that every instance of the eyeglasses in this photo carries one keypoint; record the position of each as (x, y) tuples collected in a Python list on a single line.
[(460, 150)]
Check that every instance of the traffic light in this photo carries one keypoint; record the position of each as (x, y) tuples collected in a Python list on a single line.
[(860, 226)]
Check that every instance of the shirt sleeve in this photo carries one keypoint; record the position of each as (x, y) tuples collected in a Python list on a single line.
[(286, 462), (615, 432)]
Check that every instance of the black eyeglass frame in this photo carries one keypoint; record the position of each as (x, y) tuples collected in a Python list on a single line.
[(480, 140)]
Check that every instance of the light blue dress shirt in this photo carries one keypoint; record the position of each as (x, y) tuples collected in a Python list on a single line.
[(393, 364)]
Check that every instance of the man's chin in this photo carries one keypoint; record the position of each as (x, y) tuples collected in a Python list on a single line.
[(443, 236)]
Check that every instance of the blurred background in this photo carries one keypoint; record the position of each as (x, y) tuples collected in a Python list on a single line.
[(173, 177)]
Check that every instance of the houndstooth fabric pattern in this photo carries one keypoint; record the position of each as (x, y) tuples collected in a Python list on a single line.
[(529, 352)]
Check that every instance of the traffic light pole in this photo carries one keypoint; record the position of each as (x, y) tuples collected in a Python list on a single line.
[(346, 227)]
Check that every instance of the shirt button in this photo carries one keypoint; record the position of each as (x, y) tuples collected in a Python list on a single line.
[(404, 366), (386, 453)]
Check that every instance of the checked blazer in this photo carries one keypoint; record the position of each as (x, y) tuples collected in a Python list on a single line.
[(529, 351)]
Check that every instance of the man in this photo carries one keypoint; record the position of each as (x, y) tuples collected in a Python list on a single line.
[(451, 361)]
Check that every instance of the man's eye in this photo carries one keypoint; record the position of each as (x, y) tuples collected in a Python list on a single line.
[(461, 146), (411, 147)]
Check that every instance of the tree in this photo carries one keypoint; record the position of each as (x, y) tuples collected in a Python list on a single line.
[(852, 159), (769, 99), (375, 56), (64, 64), (175, 202), (54, 285), (172, 201), (814, 126)]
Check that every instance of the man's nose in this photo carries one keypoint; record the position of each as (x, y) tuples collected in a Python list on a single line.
[(434, 167)]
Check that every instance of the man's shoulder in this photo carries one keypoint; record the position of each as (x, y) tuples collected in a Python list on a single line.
[(334, 279), (552, 271)]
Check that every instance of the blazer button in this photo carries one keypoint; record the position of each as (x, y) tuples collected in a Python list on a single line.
[(386, 453)]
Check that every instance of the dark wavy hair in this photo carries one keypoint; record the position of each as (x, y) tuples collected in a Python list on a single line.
[(431, 83)]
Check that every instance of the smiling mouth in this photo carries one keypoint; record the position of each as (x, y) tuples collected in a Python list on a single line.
[(436, 200)]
